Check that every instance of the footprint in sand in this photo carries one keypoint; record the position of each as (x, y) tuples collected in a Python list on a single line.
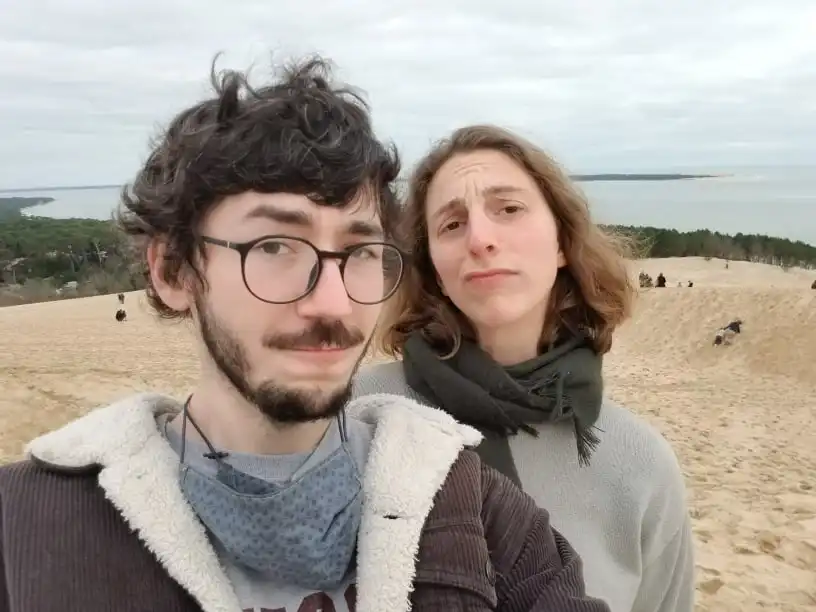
[(710, 587)]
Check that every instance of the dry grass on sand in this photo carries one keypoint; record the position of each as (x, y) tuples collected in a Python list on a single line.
[(741, 418)]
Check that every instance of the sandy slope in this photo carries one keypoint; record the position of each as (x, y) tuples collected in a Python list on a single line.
[(713, 273), (741, 418)]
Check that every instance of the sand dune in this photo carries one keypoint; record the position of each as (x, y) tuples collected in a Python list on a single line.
[(741, 418), (713, 273)]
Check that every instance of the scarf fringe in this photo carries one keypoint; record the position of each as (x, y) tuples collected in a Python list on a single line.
[(587, 442)]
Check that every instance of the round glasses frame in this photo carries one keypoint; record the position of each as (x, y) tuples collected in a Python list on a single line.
[(342, 257)]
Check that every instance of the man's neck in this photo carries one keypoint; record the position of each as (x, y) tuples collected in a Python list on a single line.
[(232, 424)]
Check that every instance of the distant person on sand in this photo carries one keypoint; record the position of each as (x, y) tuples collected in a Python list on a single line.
[(690, 284), (813, 286), (725, 335), (120, 315), (644, 280), (121, 297), (503, 320), (266, 217), (661, 280)]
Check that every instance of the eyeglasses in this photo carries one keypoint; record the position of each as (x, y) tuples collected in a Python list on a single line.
[(284, 269)]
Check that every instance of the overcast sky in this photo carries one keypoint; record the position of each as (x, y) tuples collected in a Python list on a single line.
[(603, 84)]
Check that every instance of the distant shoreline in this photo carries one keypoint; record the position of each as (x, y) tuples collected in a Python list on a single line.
[(15, 205), (586, 178), (580, 178), (52, 188)]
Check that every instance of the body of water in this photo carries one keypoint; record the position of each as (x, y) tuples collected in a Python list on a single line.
[(775, 201)]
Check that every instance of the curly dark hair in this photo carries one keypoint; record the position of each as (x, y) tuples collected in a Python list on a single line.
[(301, 134)]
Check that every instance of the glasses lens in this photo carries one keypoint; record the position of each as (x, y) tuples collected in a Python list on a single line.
[(280, 269), (372, 272)]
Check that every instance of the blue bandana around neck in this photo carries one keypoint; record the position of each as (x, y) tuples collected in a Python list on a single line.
[(301, 532)]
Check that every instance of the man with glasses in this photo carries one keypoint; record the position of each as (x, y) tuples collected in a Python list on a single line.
[(265, 217)]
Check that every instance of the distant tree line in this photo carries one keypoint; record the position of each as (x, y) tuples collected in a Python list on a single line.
[(43, 258), (91, 257), (657, 242)]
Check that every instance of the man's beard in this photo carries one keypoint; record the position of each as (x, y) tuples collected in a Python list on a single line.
[(276, 402)]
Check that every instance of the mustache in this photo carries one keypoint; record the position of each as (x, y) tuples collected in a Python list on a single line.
[(323, 333)]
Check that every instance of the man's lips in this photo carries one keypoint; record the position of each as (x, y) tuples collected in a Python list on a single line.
[(324, 355), (321, 350)]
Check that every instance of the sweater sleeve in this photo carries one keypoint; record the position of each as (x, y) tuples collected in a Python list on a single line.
[(536, 568), (667, 581), (667, 584)]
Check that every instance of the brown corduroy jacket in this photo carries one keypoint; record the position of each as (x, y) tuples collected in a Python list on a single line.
[(94, 521)]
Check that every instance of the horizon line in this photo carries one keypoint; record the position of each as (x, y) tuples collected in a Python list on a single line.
[(575, 176), (717, 170)]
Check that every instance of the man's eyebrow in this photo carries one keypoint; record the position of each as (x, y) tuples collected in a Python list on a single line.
[(300, 218), (365, 229), (287, 217)]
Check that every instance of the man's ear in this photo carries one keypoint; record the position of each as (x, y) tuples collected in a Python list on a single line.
[(175, 295)]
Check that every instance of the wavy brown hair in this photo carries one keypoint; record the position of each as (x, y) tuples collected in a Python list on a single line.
[(300, 132), (592, 294)]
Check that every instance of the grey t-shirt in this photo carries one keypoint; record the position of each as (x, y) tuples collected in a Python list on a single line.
[(257, 592)]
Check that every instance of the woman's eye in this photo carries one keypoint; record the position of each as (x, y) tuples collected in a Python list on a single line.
[(449, 227)]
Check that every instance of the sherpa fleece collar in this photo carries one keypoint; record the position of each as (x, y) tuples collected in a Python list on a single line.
[(412, 451)]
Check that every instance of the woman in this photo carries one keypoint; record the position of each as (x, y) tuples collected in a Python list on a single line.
[(511, 302)]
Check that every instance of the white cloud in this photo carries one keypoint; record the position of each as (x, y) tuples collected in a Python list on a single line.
[(604, 84)]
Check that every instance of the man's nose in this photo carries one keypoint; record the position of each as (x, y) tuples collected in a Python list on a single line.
[(328, 299)]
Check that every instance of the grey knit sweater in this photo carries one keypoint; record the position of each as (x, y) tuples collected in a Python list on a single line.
[(625, 514)]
